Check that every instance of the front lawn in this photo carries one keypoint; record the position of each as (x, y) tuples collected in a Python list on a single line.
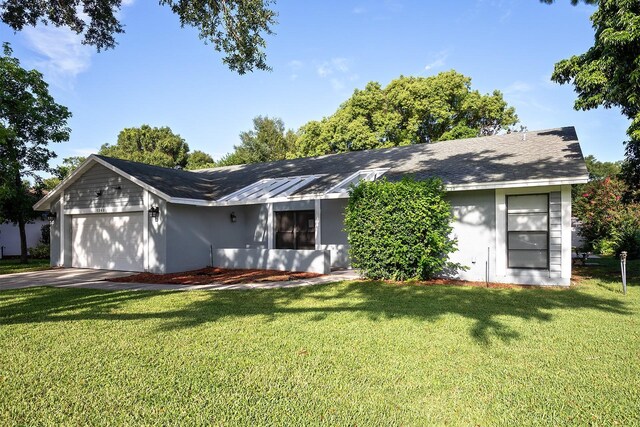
[(8, 266), (354, 353)]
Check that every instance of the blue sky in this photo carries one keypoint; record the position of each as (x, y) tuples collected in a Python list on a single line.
[(163, 75)]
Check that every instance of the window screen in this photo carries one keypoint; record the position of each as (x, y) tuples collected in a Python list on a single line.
[(528, 231), (295, 230)]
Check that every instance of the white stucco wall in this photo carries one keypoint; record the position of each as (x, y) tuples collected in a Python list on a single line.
[(334, 238), (10, 236), (474, 229)]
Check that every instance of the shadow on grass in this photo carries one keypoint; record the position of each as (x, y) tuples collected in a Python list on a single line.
[(372, 300), (605, 273)]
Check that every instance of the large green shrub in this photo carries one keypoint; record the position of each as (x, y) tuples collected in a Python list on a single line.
[(399, 230), (608, 225)]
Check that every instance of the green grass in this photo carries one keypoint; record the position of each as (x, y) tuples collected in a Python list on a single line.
[(8, 266), (354, 353)]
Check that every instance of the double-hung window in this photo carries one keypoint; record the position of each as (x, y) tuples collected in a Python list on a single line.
[(528, 231), (295, 230)]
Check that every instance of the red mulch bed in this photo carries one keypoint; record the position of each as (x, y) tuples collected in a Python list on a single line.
[(208, 275)]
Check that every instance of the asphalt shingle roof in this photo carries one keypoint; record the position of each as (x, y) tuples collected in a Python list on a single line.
[(546, 154)]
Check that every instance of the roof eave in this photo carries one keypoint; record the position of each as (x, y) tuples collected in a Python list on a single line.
[(328, 196)]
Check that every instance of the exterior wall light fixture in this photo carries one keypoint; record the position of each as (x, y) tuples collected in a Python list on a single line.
[(233, 217), (154, 212), (51, 216)]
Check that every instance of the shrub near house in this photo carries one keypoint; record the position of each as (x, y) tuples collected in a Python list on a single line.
[(609, 226), (399, 230)]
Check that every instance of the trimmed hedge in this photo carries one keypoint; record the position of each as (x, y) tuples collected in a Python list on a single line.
[(399, 230)]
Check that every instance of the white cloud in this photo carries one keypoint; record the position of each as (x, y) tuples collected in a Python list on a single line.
[(339, 71), (337, 84), (62, 54), (518, 87), (295, 64), (334, 65), (359, 10), (438, 60)]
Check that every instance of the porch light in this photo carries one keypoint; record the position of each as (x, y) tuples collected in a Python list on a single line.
[(154, 212), (51, 216), (233, 217), (98, 193)]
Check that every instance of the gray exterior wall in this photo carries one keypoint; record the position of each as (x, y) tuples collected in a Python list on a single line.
[(82, 193), (189, 231), (157, 250), (474, 228), (333, 237), (254, 219)]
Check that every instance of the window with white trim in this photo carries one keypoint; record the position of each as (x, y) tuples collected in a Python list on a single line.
[(528, 231)]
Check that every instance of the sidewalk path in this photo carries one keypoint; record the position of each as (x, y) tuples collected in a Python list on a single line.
[(95, 279)]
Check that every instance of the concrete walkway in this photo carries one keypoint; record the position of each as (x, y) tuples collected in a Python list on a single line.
[(95, 279)]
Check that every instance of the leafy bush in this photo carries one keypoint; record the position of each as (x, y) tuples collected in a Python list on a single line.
[(627, 233), (399, 230), (42, 251), (609, 226)]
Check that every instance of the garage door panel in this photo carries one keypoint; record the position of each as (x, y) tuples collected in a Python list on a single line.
[(108, 241)]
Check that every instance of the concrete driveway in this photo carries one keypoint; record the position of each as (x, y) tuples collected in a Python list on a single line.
[(58, 277), (95, 279)]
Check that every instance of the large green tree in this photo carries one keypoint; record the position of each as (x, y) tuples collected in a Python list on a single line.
[(151, 145), (30, 119), (60, 172), (410, 110), (600, 170), (608, 74), (235, 27), (267, 141), (199, 160)]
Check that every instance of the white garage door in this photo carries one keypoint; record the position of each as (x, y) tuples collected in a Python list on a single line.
[(108, 241)]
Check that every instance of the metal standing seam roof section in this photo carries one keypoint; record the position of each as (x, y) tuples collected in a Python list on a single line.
[(270, 188), (546, 154)]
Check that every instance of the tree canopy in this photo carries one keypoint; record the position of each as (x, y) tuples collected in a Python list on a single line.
[(600, 170), (234, 27), (69, 164), (199, 160), (410, 110), (268, 141), (29, 120), (608, 74), (154, 146)]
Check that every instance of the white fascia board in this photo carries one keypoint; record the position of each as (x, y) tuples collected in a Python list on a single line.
[(45, 202), (517, 184)]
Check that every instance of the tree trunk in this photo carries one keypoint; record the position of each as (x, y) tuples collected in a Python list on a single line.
[(21, 222), (23, 241)]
